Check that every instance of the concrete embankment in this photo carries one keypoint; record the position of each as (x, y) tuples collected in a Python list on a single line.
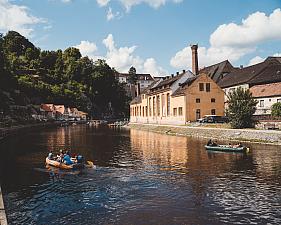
[(244, 135), (3, 218), (5, 132)]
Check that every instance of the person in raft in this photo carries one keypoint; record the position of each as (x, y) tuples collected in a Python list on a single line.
[(51, 155), (60, 156), (67, 159)]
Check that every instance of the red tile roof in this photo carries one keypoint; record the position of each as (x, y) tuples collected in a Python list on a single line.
[(266, 90)]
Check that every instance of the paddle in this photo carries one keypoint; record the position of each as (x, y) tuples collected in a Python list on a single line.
[(90, 164)]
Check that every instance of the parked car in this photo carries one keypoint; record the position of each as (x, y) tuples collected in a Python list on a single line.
[(213, 119)]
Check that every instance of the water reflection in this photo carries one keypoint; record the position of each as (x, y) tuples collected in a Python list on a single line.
[(141, 178)]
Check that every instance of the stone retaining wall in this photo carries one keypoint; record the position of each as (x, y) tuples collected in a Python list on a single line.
[(245, 135)]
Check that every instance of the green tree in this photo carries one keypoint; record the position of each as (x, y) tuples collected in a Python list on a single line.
[(276, 109), (241, 107), (132, 75)]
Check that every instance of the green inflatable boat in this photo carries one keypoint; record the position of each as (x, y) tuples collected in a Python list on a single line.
[(227, 148)]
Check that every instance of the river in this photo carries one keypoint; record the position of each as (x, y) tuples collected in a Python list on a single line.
[(140, 178)]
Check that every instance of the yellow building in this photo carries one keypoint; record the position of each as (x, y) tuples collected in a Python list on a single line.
[(178, 100)]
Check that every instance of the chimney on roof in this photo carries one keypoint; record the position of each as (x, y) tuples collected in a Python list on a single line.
[(183, 71), (172, 75), (178, 73), (194, 59), (241, 67)]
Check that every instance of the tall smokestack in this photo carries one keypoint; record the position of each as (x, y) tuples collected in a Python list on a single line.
[(194, 59)]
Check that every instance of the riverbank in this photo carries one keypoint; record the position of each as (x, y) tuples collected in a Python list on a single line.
[(9, 131), (244, 135), (3, 218)]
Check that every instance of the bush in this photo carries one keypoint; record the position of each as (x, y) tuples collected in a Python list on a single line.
[(241, 107), (276, 109)]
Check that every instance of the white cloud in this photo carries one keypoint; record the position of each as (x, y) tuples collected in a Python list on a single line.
[(121, 58), (87, 48), (255, 60), (18, 18), (207, 56), (66, 1), (110, 15), (255, 29), (128, 4), (233, 41), (277, 55), (103, 2)]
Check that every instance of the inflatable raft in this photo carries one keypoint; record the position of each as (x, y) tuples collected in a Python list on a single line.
[(226, 148), (69, 167)]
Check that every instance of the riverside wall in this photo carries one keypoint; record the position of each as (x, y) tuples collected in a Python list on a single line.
[(243, 135)]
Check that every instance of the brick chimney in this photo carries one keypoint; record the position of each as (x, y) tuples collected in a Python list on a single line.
[(194, 59)]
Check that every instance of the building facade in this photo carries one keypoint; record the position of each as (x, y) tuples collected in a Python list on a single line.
[(178, 100)]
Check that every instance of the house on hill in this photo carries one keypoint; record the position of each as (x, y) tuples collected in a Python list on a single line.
[(143, 81)]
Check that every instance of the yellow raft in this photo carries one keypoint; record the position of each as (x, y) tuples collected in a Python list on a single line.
[(69, 167)]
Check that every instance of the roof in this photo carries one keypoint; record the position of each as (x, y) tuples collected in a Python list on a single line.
[(168, 81), (184, 86), (258, 73), (218, 71), (266, 90), (141, 76), (46, 107)]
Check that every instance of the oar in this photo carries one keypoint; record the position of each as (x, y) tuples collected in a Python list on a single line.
[(90, 164)]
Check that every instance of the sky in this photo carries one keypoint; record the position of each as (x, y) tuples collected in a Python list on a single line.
[(154, 36)]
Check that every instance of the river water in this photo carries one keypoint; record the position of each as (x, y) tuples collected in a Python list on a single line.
[(141, 178)]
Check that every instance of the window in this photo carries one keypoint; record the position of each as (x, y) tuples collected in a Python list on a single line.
[(146, 111), (149, 105), (213, 100), (201, 86), (279, 100), (180, 111), (197, 100), (198, 114), (261, 103), (163, 105), (208, 87), (175, 111), (168, 104), (158, 105), (143, 111), (154, 106), (213, 112)]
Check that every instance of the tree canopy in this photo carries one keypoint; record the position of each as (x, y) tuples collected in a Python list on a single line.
[(132, 75), (59, 77), (241, 107), (276, 109)]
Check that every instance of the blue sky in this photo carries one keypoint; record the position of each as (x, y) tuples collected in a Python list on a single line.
[(152, 35)]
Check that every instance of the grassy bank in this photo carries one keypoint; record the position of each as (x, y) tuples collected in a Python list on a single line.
[(245, 135)]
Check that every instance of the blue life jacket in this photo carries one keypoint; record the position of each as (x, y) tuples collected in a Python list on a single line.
[(67, 160)]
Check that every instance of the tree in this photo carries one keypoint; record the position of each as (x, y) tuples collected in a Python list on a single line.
[(132, 75), (276, 109), (241, 107)]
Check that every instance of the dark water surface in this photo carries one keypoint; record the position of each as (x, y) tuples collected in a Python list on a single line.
[(141, 178)]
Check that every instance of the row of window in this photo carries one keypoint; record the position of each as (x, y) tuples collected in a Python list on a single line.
[(142, 111), (213, 100), (261, 102), (205, 87)]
